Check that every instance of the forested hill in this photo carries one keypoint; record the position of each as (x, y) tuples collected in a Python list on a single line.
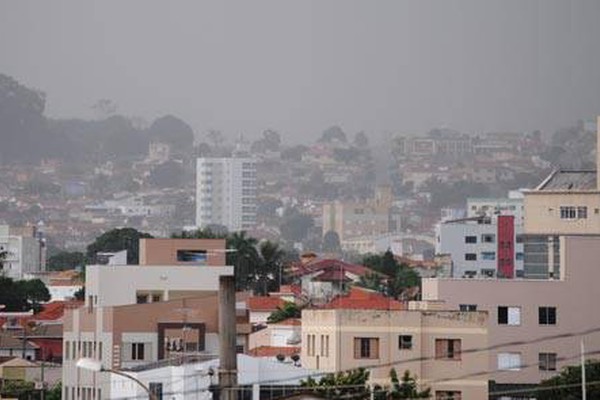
[(27, 135)]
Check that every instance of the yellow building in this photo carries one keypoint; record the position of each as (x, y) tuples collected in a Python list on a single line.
[(433, 345)]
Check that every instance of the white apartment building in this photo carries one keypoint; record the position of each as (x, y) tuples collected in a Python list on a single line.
[(226, 192), (481, 246), (25, 251), (513, 205)]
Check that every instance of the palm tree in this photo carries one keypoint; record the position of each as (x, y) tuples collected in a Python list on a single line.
[(244, 258), (270, 267)]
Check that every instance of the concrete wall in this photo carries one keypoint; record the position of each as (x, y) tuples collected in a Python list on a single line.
[(118, 285), (343, 326), (573, 296), (542, 213), (164, 251)]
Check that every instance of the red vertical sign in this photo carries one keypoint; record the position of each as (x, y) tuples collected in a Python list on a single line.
[(506, 246)]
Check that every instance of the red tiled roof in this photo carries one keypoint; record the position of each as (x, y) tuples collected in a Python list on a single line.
[(289, 321), (273, 351), (50, 312), (264, 303), (363, 299), (332, 275), (332, 264)]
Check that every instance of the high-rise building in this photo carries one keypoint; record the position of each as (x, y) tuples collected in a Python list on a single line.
[(226, 192)]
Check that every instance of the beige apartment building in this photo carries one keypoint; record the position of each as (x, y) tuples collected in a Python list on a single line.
[(567, 202), (531, 311), (358, 219), (140, 314), (433, 345)]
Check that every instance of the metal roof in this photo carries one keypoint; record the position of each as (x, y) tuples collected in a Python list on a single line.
[(569, 180)]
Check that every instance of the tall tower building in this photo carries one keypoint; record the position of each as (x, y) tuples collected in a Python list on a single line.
[(226, 192)]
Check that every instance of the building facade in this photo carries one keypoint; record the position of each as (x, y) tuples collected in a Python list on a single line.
[(533, 311), (430, 344), (482, 246), (25, 251), (226, 192)]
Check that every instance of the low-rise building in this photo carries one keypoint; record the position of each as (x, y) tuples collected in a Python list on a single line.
[(436, 346)]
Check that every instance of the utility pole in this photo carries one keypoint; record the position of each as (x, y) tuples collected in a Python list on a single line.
[(227, 333), (583, 384)]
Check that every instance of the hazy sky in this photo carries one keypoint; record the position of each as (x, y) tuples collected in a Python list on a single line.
[(301, 66)]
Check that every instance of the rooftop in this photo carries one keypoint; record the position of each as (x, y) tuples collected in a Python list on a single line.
[(564, 180), (363, 299)]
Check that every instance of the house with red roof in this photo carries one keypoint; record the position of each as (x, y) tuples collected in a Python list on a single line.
[(359, 298), (322, 280), (261, 307), (286, 333)]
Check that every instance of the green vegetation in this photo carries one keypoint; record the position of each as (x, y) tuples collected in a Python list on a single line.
[(22, 295), (401, 276), (567, 384), (289, 310), (65, 260), (117, 240)]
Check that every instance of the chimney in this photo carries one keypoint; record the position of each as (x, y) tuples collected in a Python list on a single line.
[(227, 335), (598, 153)]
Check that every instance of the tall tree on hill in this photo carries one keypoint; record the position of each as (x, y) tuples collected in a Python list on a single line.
[(117, 240)]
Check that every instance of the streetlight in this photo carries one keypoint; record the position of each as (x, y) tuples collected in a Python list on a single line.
[(96, 366)]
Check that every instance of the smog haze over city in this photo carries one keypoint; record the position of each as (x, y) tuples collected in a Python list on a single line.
[(328, 199), (242, 67)]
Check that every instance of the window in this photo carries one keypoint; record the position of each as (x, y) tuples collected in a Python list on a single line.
[(447, 349), (582, 212), (311, 345), (325, 345), (366, 348), (467, 307), (67, 348), (519, 256), (470, 257), (519, 239), (509, 361), (137, 351), (509, 315), (547, 361), (448, 395), (488, 238), (568, 212), (141, 298), (155, 298), (192, 256), (547, 315), (470, 239), (488, 255), (405, 342)]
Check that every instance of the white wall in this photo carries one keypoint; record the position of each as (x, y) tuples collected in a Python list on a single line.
[(117, 285)]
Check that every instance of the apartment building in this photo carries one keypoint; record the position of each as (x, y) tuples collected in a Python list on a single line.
[(359, 219), (226, 192), (433, 345), (138, 314), (482, 246), (26, 251), (532, 310), (565, 203)]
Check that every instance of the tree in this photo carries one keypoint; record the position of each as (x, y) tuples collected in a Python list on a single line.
[(55, 392), (331, 134), (361, 140), (3, 257), (170, 174), (244, 258), (295, 226), (66, 260), (567, 384), (407, 388), (350, 384), (373, 282), (270, 266), (22, 295), (117, 240), (174, 131), (289, 310), (202, 233), (331, 242)]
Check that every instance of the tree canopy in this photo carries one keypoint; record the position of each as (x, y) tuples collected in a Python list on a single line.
[(567, 384), (117, 240), (23, 295)]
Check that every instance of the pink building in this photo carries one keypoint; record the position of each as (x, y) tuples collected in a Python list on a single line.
[(531, 311)]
